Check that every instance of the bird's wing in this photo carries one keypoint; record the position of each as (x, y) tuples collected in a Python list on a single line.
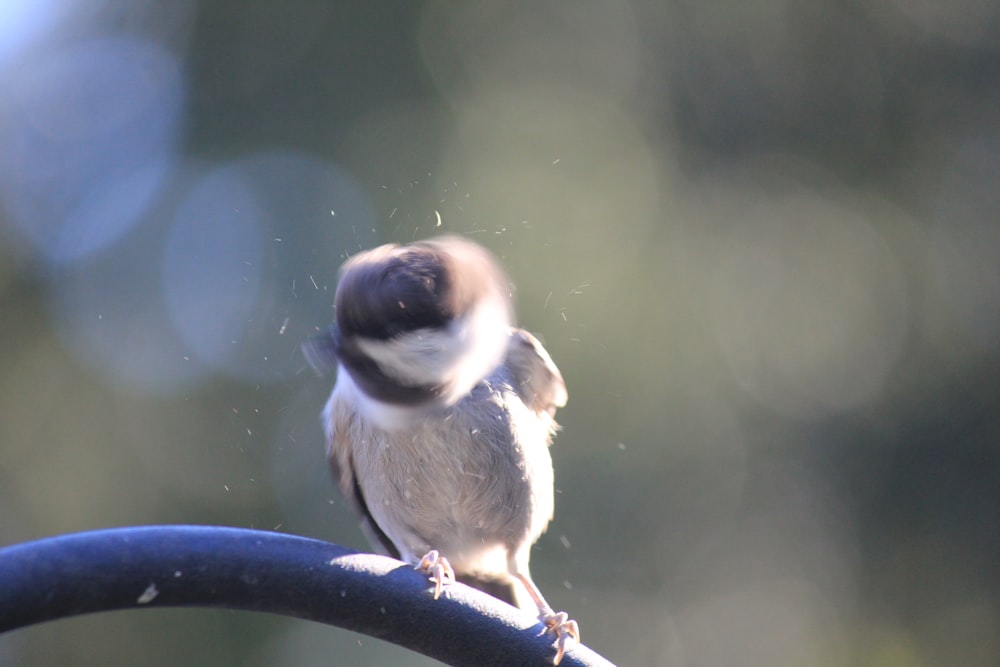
[(537, 380), (339, 417)]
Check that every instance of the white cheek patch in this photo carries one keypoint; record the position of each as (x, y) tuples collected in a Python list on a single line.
[(415, 358), (455, 358)]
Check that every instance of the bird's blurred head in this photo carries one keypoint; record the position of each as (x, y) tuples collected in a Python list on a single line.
[(421, 323)]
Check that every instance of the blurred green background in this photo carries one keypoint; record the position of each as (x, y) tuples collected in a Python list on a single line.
[(760, 239)]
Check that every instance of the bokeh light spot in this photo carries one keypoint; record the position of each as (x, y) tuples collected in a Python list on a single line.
[(252, 255), (211, 270), (89, 135), (808, 304), (25, 22), (965, 238)]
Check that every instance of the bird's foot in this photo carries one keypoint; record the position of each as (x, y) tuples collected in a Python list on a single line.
[(439, 569), (563, 628)]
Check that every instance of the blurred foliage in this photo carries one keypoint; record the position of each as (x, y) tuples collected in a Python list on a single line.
[(759, 238)]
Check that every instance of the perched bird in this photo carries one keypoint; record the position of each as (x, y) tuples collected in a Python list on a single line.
[(440, 421)]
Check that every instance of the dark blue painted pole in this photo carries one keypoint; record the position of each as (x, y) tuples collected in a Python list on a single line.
[(232, 568)]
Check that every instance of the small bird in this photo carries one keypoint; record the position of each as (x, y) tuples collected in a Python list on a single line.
[(441, 417)]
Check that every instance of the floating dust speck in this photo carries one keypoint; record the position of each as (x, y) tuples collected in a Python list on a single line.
[(148, 595), (565, 541)]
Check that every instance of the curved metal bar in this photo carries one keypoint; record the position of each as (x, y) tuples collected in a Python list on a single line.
[(252, 570)]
